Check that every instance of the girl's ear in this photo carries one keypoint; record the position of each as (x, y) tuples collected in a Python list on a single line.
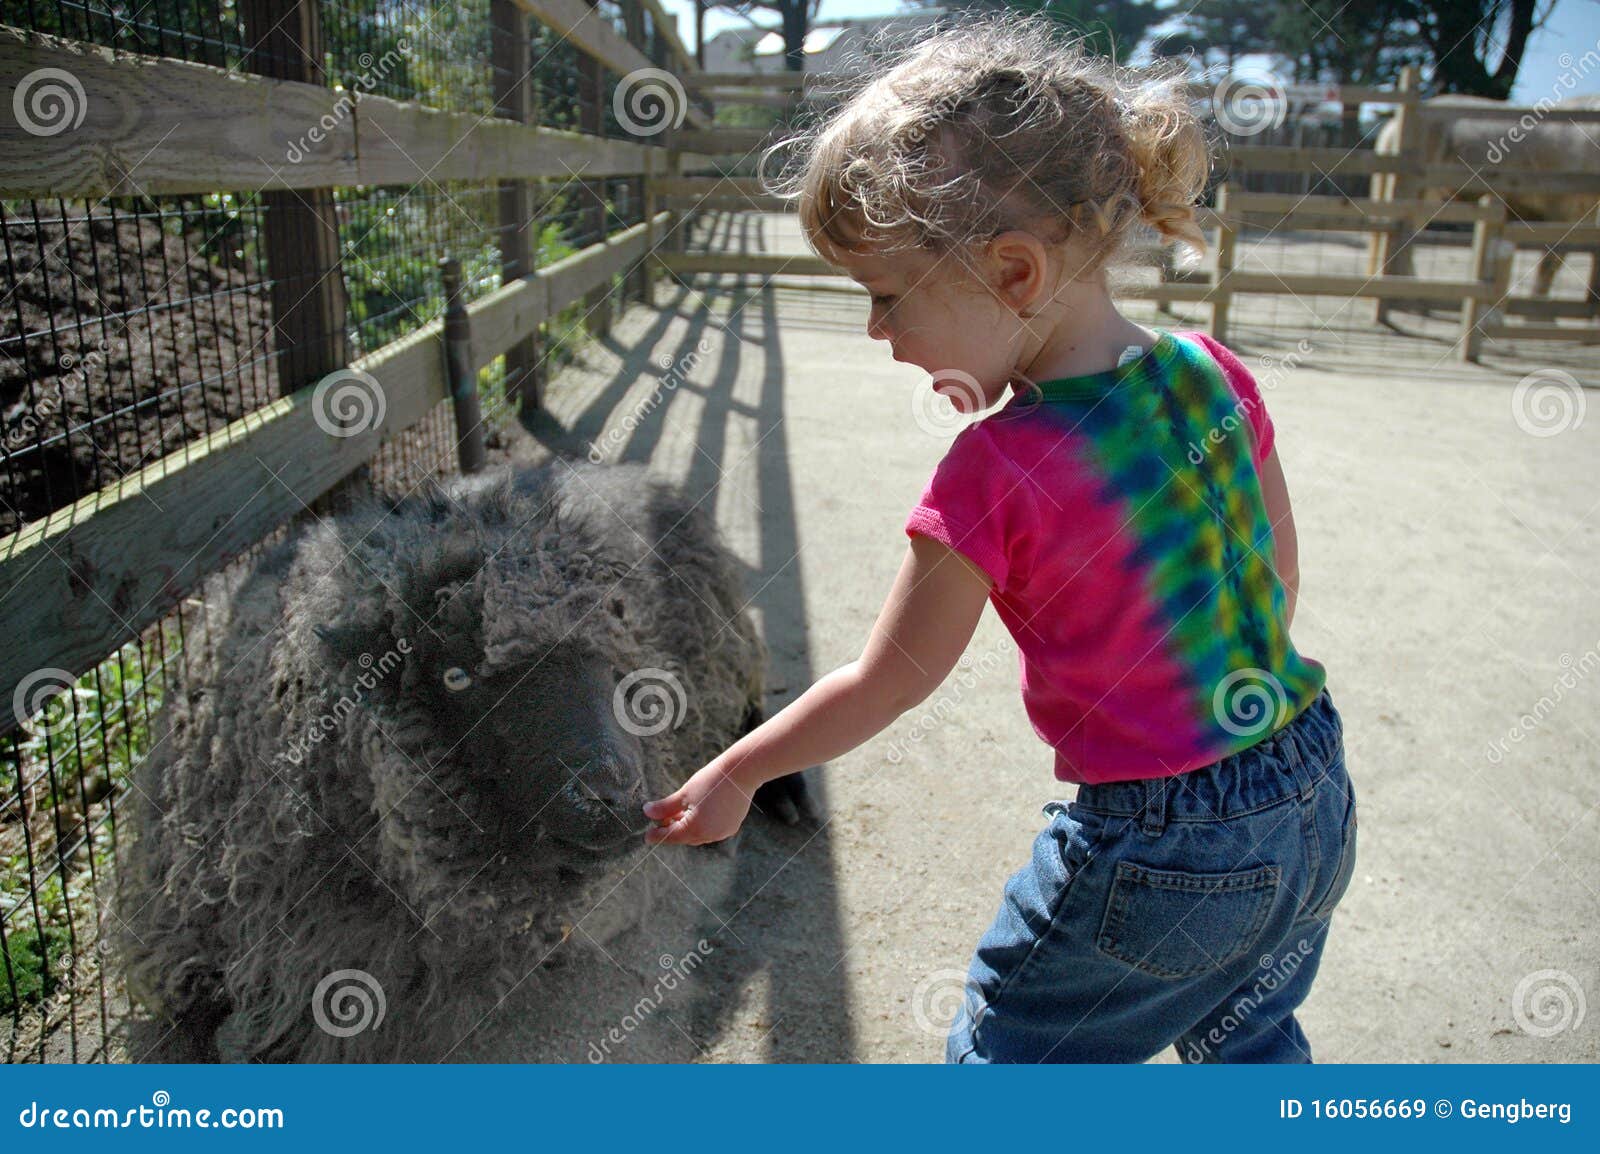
[(1019, 270)]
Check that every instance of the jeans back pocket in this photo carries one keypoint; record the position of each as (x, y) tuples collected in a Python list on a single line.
[(1176, 924)]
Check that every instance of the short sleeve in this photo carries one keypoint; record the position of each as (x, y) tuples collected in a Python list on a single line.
[(979, 503), (1249, 393)]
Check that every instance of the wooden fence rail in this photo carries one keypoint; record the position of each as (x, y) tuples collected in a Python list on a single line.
[(91, 576)]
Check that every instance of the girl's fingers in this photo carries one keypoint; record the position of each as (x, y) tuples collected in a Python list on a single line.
[(664, 807), (667, 832)]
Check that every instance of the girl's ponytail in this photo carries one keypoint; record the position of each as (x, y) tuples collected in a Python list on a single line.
[(1173, 159)]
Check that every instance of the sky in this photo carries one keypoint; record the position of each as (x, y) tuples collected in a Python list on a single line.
[(1573, 29)]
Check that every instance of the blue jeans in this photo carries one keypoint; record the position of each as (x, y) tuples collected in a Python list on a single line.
[(1186, 911)]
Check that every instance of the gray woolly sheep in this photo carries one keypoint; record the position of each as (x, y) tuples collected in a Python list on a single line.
[(409, 779)]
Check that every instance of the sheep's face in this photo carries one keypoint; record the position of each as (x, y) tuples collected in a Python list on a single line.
[(537, 757), (506, 779)]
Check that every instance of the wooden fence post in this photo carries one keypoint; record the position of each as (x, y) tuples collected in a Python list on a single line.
[(653, 47), (1221, 293), (508, 49), (651, 270), (591, 119), (460, 376), (1401, 185), (1485, 267), (300, 230)]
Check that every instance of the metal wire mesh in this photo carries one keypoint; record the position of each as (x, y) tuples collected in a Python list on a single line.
[(133, 326)]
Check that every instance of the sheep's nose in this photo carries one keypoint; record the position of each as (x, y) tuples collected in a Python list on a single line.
[(608, 797)]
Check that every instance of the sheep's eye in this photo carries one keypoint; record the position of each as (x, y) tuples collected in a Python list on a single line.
[(456, 679)]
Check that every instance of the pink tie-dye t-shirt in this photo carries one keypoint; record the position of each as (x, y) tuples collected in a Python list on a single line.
[(1121, 517)]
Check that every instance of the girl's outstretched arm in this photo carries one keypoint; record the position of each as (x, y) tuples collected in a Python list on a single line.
[(920, 635)]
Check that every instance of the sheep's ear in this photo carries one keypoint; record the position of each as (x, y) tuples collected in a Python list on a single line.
[(373, 660), (342, 641)]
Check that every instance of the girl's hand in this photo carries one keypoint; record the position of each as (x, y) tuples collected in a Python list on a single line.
[(710, 806)]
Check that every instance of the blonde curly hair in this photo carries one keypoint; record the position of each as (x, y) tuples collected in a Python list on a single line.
[(993, 123)]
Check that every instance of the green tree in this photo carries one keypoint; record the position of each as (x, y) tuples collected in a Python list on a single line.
[(1109, 27), (1334, 42), (1476, 46), (1217, 33)]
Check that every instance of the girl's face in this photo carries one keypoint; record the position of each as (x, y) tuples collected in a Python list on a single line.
[(934, 315)]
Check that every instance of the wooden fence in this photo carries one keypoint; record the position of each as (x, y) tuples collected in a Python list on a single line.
[(106, 570), (1392, 217), (118, 563)]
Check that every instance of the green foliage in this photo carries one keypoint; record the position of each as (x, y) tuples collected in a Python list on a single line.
[(86, 752), (1109, 27), (34, 960)]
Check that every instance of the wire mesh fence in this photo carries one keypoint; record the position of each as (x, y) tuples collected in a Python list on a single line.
[(132, 327)]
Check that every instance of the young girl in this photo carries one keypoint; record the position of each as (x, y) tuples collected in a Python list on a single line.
[(1126, 515)]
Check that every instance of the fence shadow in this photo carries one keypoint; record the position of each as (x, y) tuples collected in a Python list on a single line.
[(783, 926)]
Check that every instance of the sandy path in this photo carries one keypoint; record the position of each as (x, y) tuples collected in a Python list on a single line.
[(1449, 565)]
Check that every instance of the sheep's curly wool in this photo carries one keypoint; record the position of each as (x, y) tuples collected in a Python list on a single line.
[(461, 642)]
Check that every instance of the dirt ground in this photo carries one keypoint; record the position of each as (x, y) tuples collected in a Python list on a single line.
[(1448, 562), (1447, 556)]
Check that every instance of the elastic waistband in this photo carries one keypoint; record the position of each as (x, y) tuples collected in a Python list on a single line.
[(1291, 761)]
